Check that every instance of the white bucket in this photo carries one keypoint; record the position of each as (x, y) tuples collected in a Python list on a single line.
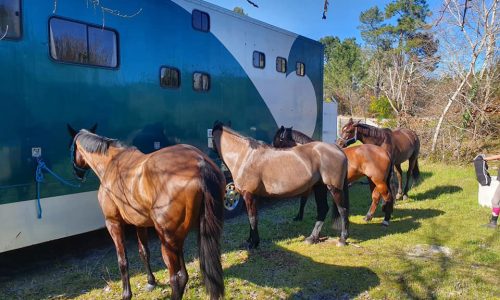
[(485, 193)]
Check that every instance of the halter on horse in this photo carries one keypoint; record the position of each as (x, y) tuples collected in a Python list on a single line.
[(402, 144)]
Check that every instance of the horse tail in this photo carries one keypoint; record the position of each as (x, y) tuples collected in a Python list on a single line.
[(416, 172), (211, 221)]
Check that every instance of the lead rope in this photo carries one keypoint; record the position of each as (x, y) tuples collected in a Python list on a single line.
[(41, 166)]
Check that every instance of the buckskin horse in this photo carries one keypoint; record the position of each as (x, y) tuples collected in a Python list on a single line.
[(363, 160), (262, 170), (173, 190), (402, 144)]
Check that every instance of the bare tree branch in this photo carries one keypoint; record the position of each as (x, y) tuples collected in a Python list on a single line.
[(3, 35), (252, 3)]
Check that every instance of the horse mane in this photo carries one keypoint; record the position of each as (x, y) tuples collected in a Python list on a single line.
[(94, 143), (372, 131), (254, 144), (300, 137)]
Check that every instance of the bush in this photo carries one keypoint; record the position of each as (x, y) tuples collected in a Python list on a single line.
[(380, 108)]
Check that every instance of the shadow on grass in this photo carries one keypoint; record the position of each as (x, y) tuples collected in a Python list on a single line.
[(277, 267), (436, 192), (404, 220)]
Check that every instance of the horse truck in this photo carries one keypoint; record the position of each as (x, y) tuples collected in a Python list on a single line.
[(150, 73)]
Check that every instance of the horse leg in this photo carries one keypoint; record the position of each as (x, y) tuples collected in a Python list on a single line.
[(399, 174), (174, 259), (388, 205), (320, 192), (375, 200), (411, 166), (300, 214), (250, 202), (115, 229), (142, 238), (341, 200)]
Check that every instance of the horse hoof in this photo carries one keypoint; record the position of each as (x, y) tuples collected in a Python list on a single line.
[(405, 197), (150, 287), (368, 218), (385, 224), (127, 296), (250, 245), (398, 196), (341, 243), (311, 240)]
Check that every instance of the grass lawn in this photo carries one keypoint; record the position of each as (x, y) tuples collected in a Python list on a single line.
[(434, 247)]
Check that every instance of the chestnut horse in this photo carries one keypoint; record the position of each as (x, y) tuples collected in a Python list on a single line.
[(402, 144), (364, 160), (173, 189), (261, 170)]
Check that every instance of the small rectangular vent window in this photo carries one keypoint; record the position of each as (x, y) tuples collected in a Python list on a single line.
[(201, 20), (281, 64), (301, 69), (259, 60), (201, 82), (170, 77)]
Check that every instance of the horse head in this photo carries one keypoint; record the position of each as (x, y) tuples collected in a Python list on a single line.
[(348, 134), (284, 138), (80, 166)]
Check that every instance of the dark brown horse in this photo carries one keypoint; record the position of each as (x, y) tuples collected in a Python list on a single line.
[(173, 190), (403, 144), (261, 170), (364, 160)]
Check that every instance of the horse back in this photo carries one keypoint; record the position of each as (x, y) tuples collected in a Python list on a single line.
[(332, 163), (158, 187), (406, 144), (367, 160)]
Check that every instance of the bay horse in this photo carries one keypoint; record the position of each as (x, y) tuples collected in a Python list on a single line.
[(261, 170), (402, 144), (173, 190), (363, 160)]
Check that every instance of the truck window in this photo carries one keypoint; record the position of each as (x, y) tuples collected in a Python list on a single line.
[(10, 19), (169, 77), (201, 20), (80, 43), (201, 82)]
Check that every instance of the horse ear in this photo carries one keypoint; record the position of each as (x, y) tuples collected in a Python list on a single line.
[(350, 120), (359, 121), (71, 131), (217, 125), (282, 127), (93, 128)]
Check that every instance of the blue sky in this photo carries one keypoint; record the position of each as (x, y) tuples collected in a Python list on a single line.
[(304, 16)]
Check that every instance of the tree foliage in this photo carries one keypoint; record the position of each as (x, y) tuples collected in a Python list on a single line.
[(344, 70)]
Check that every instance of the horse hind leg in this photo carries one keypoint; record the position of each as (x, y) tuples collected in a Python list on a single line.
[(174, 259), (320, 195), (341, 200), (412, 164), (375, 201), (399, 175), (300, 214), (142, 238), (254, 239), (388, 205), (115, 229)]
